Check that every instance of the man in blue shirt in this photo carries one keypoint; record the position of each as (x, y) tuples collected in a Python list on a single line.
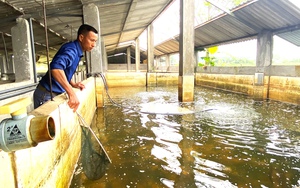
[(63, 66)]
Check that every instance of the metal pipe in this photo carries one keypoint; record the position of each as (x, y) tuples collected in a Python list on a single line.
[(47, 48), (32, 50)]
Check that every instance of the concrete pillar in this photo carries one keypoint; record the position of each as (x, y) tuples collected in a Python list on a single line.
[(186, 50), (263, 62), (137, 55), (2, 65), (104, 55), (151, 75), (128, 59), (95, 58), (150, 49), (195, 60), (22, 51), (91, 17), (168, 60)]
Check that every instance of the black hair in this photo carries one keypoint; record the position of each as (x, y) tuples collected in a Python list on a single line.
[(85, 28)]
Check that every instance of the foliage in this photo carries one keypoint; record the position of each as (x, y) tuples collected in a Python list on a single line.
[(208, 61)]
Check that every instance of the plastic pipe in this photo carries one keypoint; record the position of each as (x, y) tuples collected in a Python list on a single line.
[(25, 132)]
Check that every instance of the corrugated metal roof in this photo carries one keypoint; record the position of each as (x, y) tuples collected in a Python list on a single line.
[(125, 20), (121, 20), (291, 36), (245, 22)]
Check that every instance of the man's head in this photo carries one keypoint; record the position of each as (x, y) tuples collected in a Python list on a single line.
[(87, 37)]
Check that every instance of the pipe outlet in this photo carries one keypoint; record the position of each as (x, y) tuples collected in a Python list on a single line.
[(23, 131)]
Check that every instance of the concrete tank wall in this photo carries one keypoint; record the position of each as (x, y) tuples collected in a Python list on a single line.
[(280, 83), (283, 88), (51, 163), (234, 83)]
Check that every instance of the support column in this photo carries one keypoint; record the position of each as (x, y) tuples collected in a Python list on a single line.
[(94, 58), (137, 55), (263, 62), (151, 75), (104, 55), (186, 51), (2, 65), (91, 17), (22, 51), (167, 62), (128, 59)]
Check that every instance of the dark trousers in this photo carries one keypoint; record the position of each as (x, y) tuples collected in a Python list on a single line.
[(41, 95)]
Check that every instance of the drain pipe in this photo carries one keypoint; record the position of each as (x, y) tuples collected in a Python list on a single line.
[(23, 130)]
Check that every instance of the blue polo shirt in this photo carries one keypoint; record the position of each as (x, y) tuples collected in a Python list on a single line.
[(67, 59)]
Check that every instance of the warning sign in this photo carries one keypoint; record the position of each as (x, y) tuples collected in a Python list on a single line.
[(15, 135), (15, 131)]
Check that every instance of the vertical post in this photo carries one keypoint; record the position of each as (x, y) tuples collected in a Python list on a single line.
[(22, 51), (167, 62), (150, 49), (151, 75), (95, 61), (5, 60), (33, 50), (91, 17), (104, 55), (2, 65), (263, 61), (186, 51), (128, 59), (137, 55)]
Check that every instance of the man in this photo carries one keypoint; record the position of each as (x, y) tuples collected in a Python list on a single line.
[(63, 66)]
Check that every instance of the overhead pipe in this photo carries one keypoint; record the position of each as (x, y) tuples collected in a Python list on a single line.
[(22, 130)]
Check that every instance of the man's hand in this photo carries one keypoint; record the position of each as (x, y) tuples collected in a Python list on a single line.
[(78, 85), (60, 77), (73, 101)]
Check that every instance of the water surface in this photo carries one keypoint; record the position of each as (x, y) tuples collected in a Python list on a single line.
[(219, 140)]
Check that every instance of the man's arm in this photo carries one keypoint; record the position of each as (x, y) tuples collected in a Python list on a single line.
[(60, 77)]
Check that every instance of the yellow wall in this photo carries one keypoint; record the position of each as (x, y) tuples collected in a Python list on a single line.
[(235, 83), (51, 163), (279, 88), (286, 89)]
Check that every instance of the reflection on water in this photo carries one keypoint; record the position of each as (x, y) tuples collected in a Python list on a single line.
[(237, 143)]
